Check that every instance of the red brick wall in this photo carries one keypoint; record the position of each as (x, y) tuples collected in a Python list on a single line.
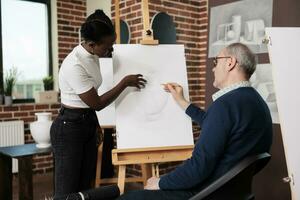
[(70, 15), (190, 18), (130, 11)]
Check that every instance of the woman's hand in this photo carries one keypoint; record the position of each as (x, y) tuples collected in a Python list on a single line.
[(134, 81)]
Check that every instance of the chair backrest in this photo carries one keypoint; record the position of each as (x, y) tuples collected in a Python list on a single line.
[(236, 183)]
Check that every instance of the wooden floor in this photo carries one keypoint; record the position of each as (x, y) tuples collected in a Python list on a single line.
[(43, 186)]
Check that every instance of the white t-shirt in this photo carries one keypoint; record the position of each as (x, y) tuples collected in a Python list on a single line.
[(79, 72)]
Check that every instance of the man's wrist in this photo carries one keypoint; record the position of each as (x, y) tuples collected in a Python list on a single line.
[(184, 104), (158, 183)]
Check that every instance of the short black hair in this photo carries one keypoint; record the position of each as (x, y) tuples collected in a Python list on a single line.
[(96, 27), (100, 15)]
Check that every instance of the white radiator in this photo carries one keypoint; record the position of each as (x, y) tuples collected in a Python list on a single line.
[(12, 133)]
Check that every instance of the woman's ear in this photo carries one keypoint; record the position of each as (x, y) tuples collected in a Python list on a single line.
[(91, 45)]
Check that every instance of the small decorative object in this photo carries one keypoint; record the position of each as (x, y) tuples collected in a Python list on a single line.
[(254, 31), (231, 35), (9, 83), (237, 25), (40, 129), (49, 95)]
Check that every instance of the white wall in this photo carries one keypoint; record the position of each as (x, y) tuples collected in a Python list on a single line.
[(92, 5)]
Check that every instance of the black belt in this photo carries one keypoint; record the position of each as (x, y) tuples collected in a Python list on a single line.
[(76, 110)]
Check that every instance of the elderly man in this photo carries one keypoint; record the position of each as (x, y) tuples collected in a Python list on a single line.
[(237, 124)]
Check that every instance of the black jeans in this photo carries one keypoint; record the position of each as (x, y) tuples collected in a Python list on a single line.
[(74, 142), (157, 195)]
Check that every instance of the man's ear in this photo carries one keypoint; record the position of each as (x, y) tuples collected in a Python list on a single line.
[(231, 63)]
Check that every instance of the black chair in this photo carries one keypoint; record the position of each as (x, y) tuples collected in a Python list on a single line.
[(236, 184)]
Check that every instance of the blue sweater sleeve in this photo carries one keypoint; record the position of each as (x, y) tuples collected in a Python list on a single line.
[(196, 113), (207, 151)]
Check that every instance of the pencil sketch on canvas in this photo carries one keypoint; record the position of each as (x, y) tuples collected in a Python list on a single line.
[(150, 117)]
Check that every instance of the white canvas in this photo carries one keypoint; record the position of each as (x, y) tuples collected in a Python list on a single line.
[(150, 117), (106, 116), (284, 56)]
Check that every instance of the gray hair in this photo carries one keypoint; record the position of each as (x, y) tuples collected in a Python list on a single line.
[(244, 56)]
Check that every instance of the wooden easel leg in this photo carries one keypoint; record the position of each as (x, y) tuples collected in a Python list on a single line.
[(146, 172), (121, 178), (155, 170)]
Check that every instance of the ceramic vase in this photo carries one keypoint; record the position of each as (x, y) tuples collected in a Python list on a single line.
[(40, 129)]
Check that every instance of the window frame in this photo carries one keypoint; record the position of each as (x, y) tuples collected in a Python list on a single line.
[(50, 59)]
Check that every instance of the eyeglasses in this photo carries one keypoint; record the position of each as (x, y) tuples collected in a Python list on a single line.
[(215, 59)]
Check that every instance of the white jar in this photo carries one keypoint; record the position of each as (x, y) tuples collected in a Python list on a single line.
[(237, 25), (40, 129)]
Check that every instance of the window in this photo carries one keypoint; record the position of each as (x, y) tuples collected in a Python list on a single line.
[(25, 44)]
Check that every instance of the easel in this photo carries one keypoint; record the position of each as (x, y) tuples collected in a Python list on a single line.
[(104, 181), (147, 157), (99, 180)]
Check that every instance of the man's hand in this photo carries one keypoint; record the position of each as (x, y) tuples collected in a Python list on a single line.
[(152, 184), (176, 91)]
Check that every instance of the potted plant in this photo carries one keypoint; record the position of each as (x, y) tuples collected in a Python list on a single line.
[(9, 83), (48, 83), (49, 95)]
